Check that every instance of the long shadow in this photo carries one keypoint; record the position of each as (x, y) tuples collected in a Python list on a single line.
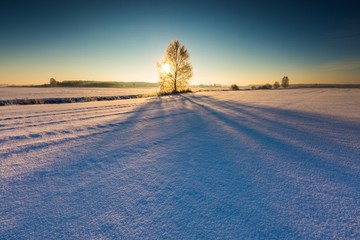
[(136, 113), (190, 169), (341, 164), (285, 117), (58, 179), (312, 158), (277, 122)]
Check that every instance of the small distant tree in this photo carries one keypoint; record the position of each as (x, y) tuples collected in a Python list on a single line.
[(175, 69), (234, 87), (285, 82), (53, 82), (276, 84)]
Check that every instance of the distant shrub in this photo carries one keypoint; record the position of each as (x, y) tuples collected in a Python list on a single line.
[(234, 87), (276, 84), (39, 101), (26, 101), (89, 99), (185, 91), (188, 90), (266, 86)]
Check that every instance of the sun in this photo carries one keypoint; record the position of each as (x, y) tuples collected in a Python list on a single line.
[(166, 68)]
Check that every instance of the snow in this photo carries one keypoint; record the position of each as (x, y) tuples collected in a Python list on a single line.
[(11, 93), (267, 164)]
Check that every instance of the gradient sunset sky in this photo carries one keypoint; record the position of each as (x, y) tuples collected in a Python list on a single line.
[(242, 42)]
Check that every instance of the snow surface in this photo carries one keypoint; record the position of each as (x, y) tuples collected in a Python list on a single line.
[(11, 93), (279, 164)]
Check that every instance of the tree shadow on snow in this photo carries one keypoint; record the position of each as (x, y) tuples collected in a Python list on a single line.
[(189, 166)]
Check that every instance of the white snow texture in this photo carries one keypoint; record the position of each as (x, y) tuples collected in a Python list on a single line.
[(276, 164)]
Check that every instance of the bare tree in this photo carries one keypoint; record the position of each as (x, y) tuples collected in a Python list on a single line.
[(175, 69), (285, 82), (53, 82), (276, 84)]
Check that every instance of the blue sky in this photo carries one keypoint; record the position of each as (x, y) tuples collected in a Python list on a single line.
[(229, 42)]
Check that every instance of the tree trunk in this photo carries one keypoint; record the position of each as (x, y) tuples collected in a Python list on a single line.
[(176, 69), (175, 90)]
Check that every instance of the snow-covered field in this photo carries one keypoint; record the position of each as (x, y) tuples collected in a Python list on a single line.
[(279, 164), (11, 93)]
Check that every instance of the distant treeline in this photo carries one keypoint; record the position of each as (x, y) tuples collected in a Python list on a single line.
[(324, 85), (27, 101), (314, 85), (99, 84)]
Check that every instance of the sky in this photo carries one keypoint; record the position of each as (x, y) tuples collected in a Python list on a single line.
[(241, 42)]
